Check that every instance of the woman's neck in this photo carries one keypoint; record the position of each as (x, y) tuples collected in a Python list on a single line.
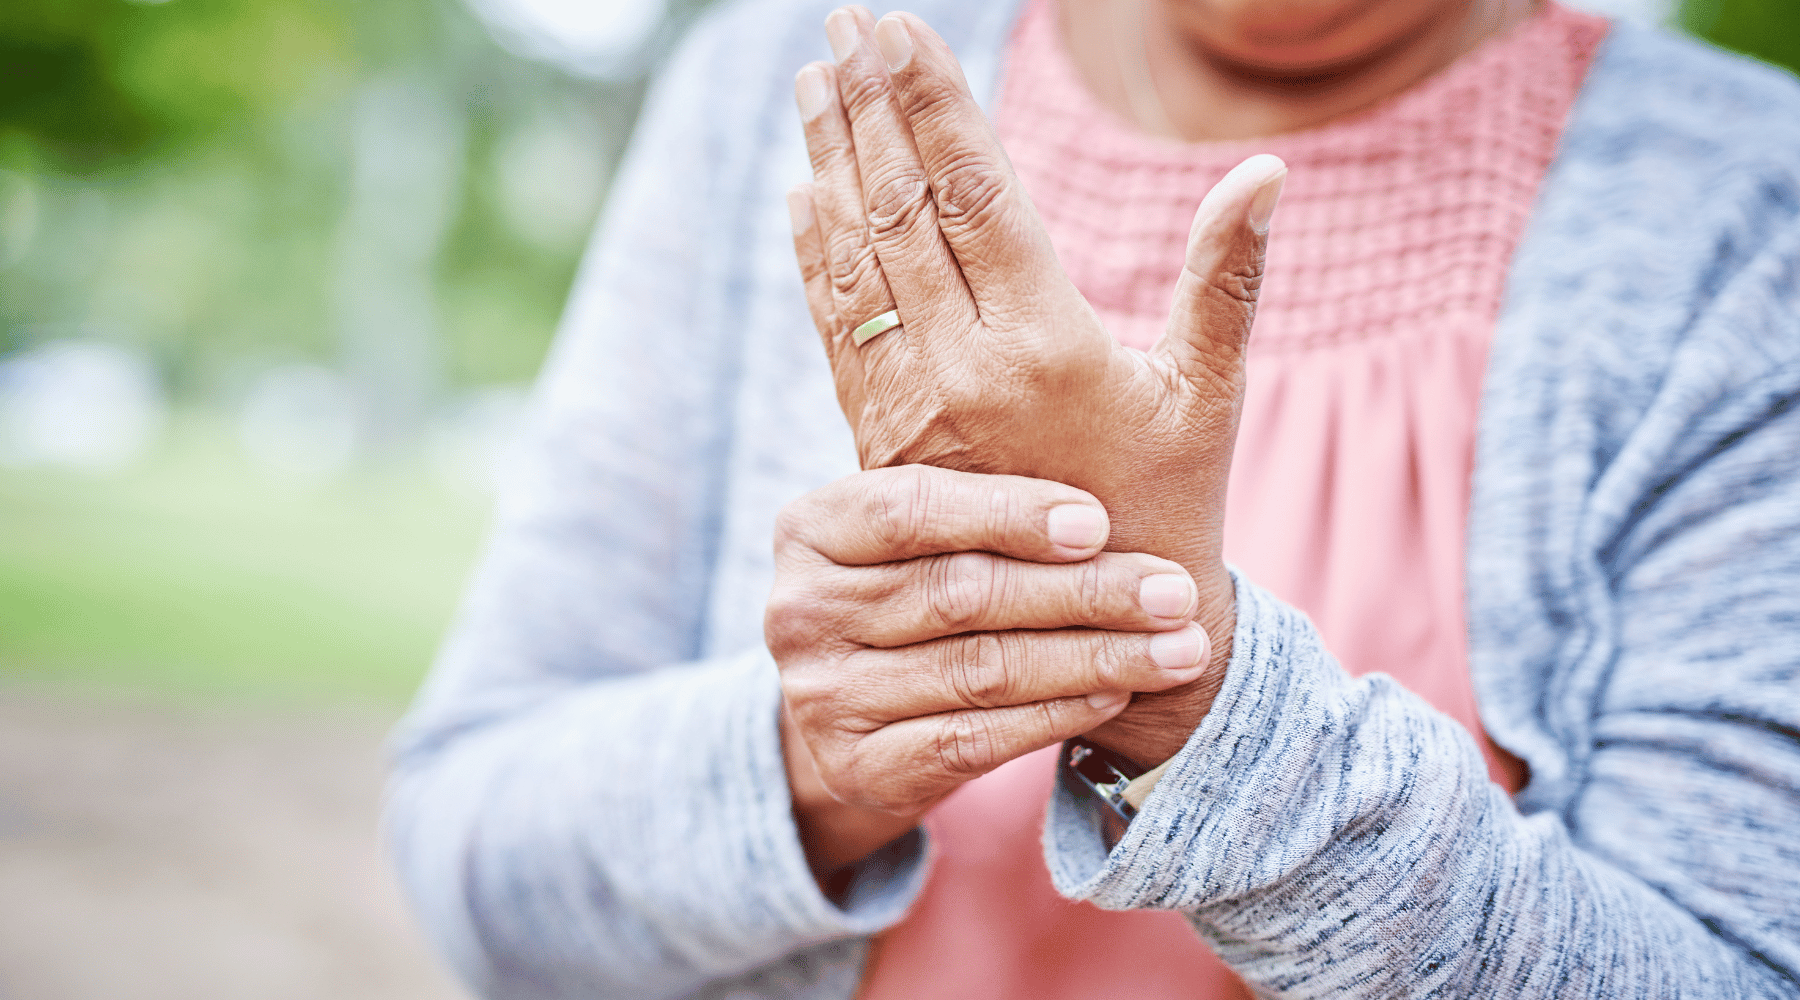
[(1143, 62)]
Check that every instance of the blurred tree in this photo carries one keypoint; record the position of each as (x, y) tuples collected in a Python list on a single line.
[(179, 174), (58, 96), (1766, 29), (92, 85)]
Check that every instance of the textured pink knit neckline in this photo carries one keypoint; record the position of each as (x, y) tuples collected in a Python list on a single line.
[(1350, 488)]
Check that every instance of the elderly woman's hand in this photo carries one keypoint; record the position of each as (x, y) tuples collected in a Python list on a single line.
[(931, 625), (1001, 365)]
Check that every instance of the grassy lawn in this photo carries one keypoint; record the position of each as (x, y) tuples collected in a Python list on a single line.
[(197, 576)]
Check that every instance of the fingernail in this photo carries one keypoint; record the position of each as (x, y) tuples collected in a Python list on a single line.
[(1262, 206), (1175, 650), (1076, 526), (1166, 595), (840, 30), (1106, 701), (894, 41), (812, 92), (800, 211)]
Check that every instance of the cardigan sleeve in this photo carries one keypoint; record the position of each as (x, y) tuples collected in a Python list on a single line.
[(583, 804), (1332, 836)]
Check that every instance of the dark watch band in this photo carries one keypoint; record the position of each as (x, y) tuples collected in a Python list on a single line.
[(1104, 773)]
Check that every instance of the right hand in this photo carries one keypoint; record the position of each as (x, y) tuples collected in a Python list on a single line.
[(931, 625)]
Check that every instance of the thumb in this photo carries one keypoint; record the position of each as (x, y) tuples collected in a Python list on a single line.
[(1215, 299)]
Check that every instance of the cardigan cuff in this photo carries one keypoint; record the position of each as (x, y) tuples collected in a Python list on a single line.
[(1195, 836), (756, 845)]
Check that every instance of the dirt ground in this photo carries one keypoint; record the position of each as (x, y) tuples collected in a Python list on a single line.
[(152, 852)]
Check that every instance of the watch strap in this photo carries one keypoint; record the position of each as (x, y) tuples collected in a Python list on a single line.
[(1106, 774)]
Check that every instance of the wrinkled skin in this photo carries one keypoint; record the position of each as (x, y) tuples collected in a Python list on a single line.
[(931, 625), (1002, 367), (1002, 370)]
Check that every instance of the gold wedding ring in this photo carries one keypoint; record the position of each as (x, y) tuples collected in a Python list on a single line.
[(875, 327)]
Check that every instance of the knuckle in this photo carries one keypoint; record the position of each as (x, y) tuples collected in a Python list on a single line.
[(981, 669), (791, 523), (862, 91), (900, 506), (1240, 283), (853, 261), (971, 193), (1112, 658), (930, 101), (897, 203), (967, 744), (808, 695), (937, 104), (1005, 513), (791, 618), (1093, 581), (960, 590)]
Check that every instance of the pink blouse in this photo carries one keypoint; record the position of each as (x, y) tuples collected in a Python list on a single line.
[(1350, 490)]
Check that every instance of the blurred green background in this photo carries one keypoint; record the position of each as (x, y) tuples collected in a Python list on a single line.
[(274, 276)]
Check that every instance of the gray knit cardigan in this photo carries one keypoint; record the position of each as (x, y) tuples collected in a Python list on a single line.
[(588, 799)]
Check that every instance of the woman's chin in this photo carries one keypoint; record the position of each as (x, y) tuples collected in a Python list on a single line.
[(1298, 38)]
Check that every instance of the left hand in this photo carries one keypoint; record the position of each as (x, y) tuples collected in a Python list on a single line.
[(1002, 367)]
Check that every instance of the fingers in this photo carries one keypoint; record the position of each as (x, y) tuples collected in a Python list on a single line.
[(901, 604), (997, 669), (904, 766), (902, 220), (895, 729), (898, 604), (1215, 298), (859, 290), (983, 212), (809, 251), (886, 515)]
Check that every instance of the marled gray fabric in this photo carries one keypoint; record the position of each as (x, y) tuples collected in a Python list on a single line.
[(588, 799)]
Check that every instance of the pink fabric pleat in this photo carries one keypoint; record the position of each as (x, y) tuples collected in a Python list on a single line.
[(1350, 486)]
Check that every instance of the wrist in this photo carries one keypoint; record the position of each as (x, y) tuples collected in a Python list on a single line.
[(833, 834), (1157, 725)]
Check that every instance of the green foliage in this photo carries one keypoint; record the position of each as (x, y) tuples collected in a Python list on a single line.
[(59, 97), (1766, 29), (97, 84), (189, 164)]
